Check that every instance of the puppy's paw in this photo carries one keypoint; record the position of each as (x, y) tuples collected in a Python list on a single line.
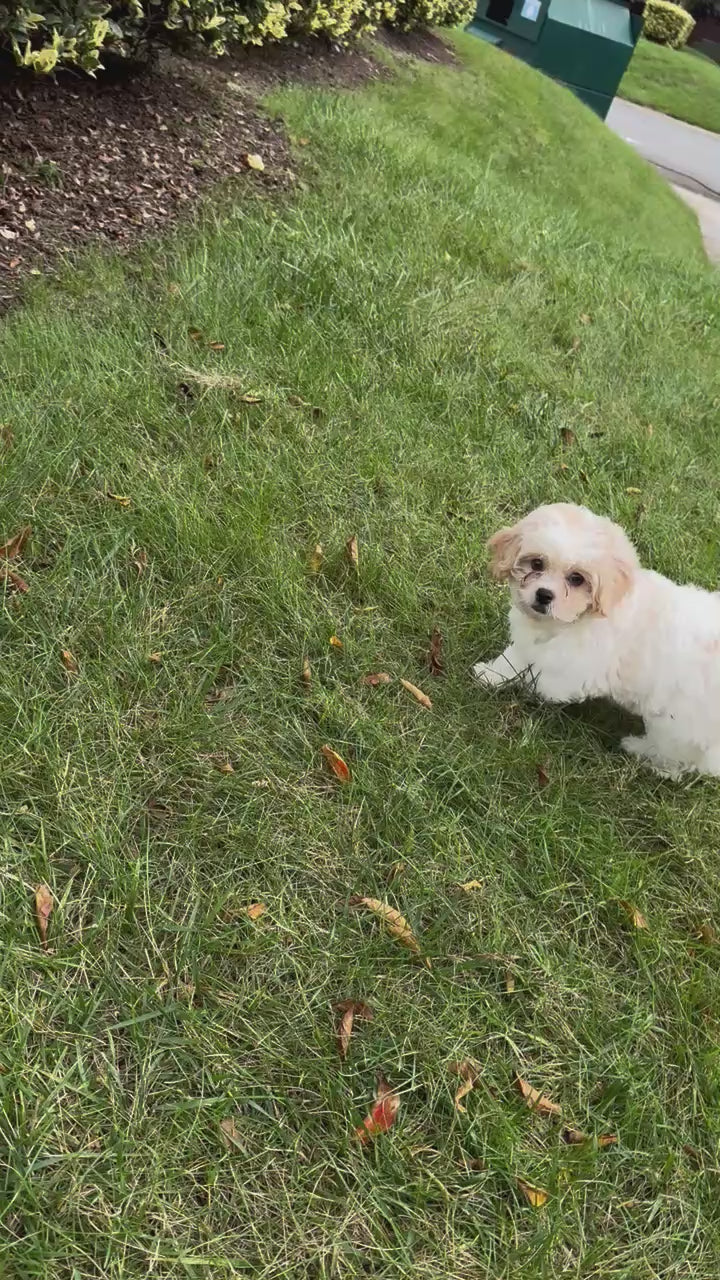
[(483, 674), (634, 745)]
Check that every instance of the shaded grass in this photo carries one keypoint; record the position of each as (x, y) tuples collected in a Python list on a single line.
[(679, 82), (454, 285)]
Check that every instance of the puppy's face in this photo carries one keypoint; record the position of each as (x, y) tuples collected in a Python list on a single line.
[(563, 562)]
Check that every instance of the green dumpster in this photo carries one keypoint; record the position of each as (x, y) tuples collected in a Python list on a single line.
[(585, 44)]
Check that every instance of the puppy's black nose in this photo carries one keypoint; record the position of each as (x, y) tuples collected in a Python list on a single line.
[(544, 597)]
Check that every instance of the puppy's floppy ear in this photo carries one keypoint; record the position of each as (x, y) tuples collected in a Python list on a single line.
[(611, 581), (503, 547)]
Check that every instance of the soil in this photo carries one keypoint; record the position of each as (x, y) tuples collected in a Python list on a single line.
[(119, 157)]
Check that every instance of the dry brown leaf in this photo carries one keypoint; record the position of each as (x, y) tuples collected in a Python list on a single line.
[(534, 1195), (353, 553), (121, 499), (216, 346), (316, 558), (195, 334), (303, 142), (12, 549), (306, 673), (297, 402), (536, 1100), (256, 910), (435, 658), (13, 579), (140, 560), (692, 1154), (350, 1010), (336, 642), (230, 1133), (468, 1071), (509, 981), (542, 777), (253, 161), (567, 435), (607, 1140), (44, 905), (574, 1137), (586, 319), (250, 398), (155, 657), (395, 924), (635, 917), (471, 885), (382, 1114), (224, 766), (705, 933), (336, 763), (418, 694), (69, 662), (377, 677)]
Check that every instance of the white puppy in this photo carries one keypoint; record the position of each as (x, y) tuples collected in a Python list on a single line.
[(587, 621)]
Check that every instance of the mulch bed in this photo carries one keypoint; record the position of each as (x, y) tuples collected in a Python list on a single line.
[(114, 159)]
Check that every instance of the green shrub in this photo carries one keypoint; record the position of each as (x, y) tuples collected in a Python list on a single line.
[(667, 23), (49, 33)]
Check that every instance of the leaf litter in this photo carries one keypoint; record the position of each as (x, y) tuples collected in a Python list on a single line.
[(349, 1011), (395, 923), (44, 907), (383, 1113), (336, 763)]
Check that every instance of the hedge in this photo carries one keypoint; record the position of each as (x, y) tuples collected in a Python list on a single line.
[(49, 33), (667, 23)]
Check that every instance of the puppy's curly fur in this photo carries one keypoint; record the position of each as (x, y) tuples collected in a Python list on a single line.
[(586, 621)]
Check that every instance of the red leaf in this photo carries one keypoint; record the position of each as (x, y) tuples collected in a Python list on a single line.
[(382, 1114)]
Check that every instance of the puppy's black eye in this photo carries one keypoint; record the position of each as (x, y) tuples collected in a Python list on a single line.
[(537, 564), (575, 580)]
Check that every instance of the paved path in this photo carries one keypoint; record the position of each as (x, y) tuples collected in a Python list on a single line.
[(688, 157)]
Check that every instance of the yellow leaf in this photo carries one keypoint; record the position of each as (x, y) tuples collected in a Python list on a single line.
[(224, 766), (230, 1133), (256, 910), (396, 925), (121, 499), (631, 490), (353, 555), (155, 657), (378, 677), (471, 885), (536, 1100), (316, 559), (421, 697), (306, 673), (509, 981), (254, 161), (534, 1195), (336, 642), (635, 917)]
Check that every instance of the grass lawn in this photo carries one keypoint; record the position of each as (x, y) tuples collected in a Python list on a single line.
[(679, 82), (474, 263)]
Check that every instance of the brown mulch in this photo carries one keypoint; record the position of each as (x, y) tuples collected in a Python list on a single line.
[(114, 159)]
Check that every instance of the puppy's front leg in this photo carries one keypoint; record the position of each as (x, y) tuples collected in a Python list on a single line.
[(509, 665)]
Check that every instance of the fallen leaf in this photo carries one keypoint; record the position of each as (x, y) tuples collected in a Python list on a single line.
[(30, 224), (633, 490), (195, 334), (224, 766), (13, 263), (353, 555), (336, 642), (378, 677), (509, 981), (574, 1137), (12, 549), (471, 885), (534, 1195), (336, 763), (706, 934), (635, 917), (435, 660), (230, 1133), (216, 346), (382, 1114), (607, 1140), (306, 673), (576, 344), (297, 402), (536, 1100), (584, 477), (44, 905), (69, 662), (542, 777), (316, 558), (250, 398), (468, 1071), (14, 580), (7, 234), (303, 142), (692, 1154), (350, 1010), (396, 925), (253, 161), (121, 499), (586, 319), (418, 694), (256, 910), (140, 560), (155, 657), (396, 870)]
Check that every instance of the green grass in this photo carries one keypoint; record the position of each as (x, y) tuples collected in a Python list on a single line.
[(428, 290), (679, 82)]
